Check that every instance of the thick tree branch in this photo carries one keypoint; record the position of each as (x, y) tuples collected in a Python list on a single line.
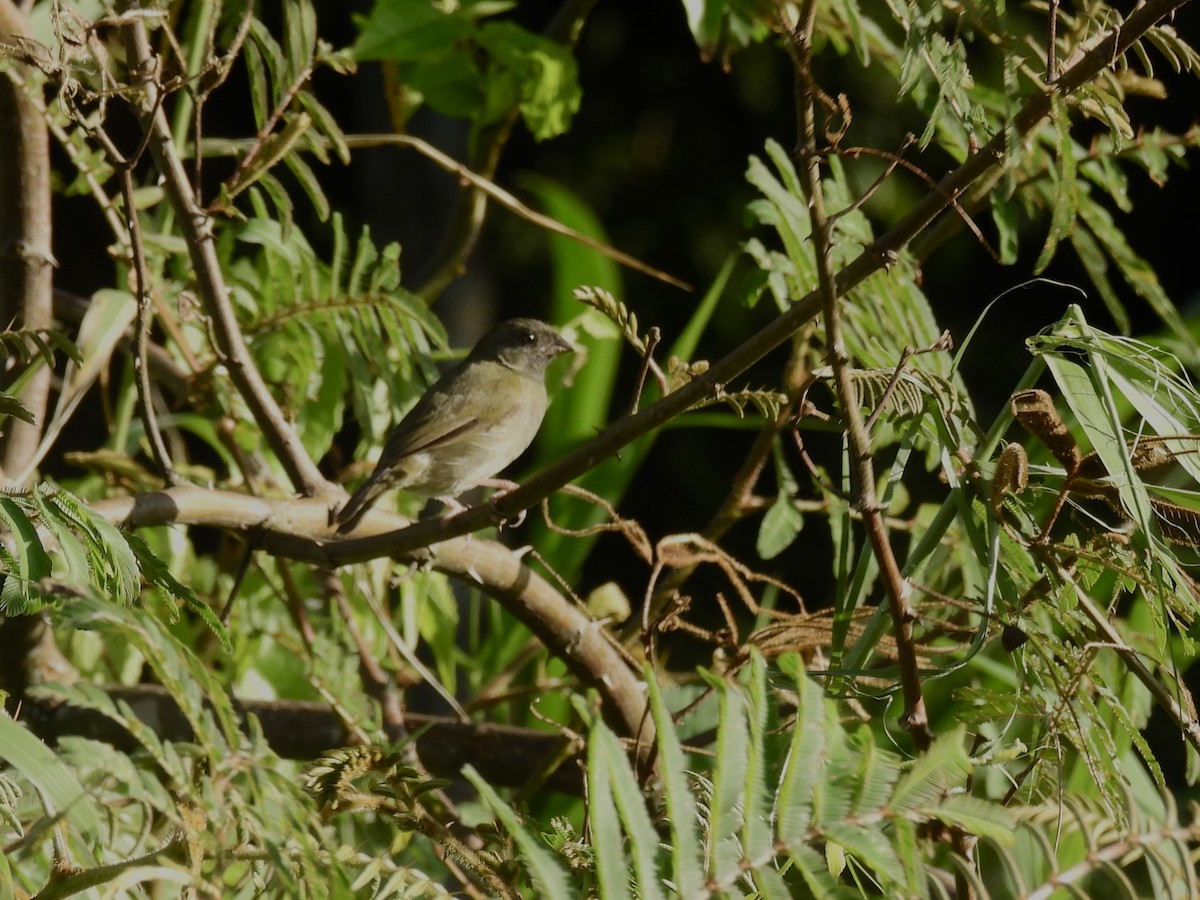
[(26, 261), (27, 645), (304, 730)]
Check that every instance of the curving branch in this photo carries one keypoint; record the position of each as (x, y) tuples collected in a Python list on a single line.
[(299, 529), (141, 366), (196, 226)]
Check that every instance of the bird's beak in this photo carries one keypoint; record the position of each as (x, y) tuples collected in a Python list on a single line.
[(561, 346)]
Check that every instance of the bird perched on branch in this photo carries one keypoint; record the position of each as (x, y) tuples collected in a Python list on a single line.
[(475, 420)]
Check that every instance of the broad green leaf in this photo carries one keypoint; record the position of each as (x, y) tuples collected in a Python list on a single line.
[(687, 865), (549, 878), (631, 806), (779, 528), (546, 74), (36, 762)]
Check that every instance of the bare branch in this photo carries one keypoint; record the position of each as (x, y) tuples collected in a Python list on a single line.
[(210, 281), (26, 261)]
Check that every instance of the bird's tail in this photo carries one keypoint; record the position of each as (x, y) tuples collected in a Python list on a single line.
[(347, 517)]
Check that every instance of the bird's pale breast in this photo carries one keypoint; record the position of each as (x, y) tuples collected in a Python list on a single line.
[(480, 453)]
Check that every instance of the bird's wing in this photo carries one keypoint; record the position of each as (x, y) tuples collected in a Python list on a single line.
[(439, 419)]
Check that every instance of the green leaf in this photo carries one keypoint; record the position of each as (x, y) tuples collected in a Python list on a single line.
[(643, 841), (869, 846), (546, 72), (876, 774), (805, 762), (549, 878), (1062, 214), (114, 560), (156, 572), (779, 528), (933, 774), (28, 560), (12, 407), (1005, 213), (309, 181), (729, 777), (408, 30), (980, 817), (36, 762), (757, 836), (605, 827), (686, 861)]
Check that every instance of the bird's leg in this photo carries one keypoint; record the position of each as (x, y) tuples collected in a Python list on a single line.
[(453, 507)]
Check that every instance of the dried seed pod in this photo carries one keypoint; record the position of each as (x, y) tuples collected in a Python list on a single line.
[(1036, 412), (1012, 475)]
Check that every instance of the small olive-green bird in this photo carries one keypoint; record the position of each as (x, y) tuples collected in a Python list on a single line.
[(475, 420)]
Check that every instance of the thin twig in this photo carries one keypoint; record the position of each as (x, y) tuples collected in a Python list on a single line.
[(942, 343), (738, 502), (145, 317), (1052, 44), (896, 161), (652, 340), (862, 475), (485, 188), (511, 203)]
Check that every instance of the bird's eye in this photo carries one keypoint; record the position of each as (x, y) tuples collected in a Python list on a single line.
[(529, 337)]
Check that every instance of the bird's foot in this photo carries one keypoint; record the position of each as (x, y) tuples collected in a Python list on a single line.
[(503, 486)]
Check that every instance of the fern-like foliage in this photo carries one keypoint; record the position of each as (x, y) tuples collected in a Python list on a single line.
[(31, 349), (229, 810), (327, 330), (81, 552), (288, 115), (792, 802), (1078, 847), (787, 806)]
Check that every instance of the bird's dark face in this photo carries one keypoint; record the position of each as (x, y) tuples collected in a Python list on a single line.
[(524, 345)]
